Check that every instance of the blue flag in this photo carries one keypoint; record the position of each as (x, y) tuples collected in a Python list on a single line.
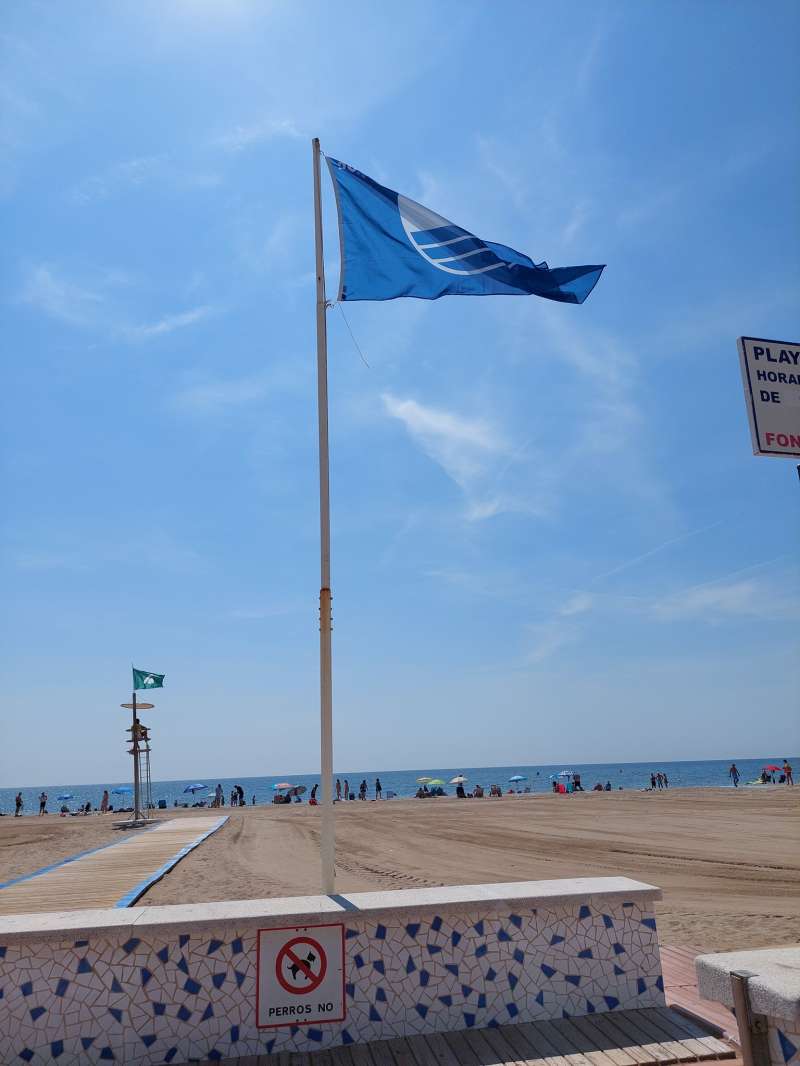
[(392, 246)]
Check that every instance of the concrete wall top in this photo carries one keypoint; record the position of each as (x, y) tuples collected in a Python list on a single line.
[(295, 909), (774, 989)]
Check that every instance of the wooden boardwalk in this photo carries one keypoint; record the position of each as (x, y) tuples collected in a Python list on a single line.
[(619, 1038), (680, 989), (111, 876)]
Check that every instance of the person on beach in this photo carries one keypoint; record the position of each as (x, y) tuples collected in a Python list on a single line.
[(787, 773), (378, 788), (18, 805), (104, 802), (338, 789), (219, 796), (253, 800), (733, 774), (42, 803), (666, 780), (346, 789), (362, 789), (653, 782)]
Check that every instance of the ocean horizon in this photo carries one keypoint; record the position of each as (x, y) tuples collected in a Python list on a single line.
[(702, 773)]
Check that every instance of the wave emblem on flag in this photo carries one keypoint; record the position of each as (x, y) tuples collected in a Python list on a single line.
[(442, 244), (391, 246)]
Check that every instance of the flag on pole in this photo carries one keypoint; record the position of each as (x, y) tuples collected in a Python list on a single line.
[(147, 679), (392, 246)]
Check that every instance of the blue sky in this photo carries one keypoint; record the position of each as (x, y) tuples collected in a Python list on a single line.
[(551, 540)]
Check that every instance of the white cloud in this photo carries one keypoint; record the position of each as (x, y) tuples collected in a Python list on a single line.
[(60, 298), (214, 397), (139, 171), (726, 600), (169, 323), (245, 136), (580, 603)]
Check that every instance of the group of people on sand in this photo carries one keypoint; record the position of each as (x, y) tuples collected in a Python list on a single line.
[(658, 780), (767, 776), (343, 791)]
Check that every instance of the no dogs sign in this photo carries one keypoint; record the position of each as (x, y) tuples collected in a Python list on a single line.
[(300, 976)]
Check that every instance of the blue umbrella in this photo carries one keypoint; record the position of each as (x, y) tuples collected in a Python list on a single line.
[(65, 796), (195, 788), (121, 790), (518, 777)]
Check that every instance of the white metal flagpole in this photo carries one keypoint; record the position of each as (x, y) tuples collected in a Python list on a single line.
[(328, 826)]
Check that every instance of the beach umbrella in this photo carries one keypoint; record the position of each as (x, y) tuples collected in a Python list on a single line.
[(770, 767), (518, 777), (436, 781), (121, 790), (565, 773), (282, 785), (298, 790), (458, 780), (197, 787), (65, 796), (424, 780)]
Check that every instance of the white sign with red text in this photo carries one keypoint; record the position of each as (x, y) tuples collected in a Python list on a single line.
[(771, 376), (300, 976)]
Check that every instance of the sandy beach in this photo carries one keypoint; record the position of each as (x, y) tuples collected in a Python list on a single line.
[(727, 860)]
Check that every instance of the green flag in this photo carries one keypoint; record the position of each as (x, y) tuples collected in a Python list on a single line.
[(146, 679)]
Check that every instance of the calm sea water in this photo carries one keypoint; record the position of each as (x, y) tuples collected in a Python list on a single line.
[(403, 783)]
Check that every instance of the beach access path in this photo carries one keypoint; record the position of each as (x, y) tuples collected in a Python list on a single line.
[(111, 875)]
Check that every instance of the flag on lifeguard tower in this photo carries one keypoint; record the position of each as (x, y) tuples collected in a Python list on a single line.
[(147, 679), (392, 246)]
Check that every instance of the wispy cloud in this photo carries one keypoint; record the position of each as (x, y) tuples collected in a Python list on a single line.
[(469, 450), (60, 298), (215, 397), (245, 136), (140, 171), (729, 598), (169, 323)]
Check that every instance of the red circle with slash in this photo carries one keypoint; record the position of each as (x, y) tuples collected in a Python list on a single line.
[(291, 958)]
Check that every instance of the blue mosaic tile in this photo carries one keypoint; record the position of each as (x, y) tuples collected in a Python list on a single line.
[(314, 1034), (424, 978), (573, 978), (107, 1055), (548, 971), (590, 1007), (380, 996), (455, 938), (146, 977), (57, 1048), (481, 1000), (214, 1055), (236, 946), (26, 1054), (131, 945), (350, 933), (512, 981), (115, 1013), (412, 929), (379, 967), (518, 956), (466, 991), (170, 1055), (515, 920), (584, 912), (27, 988), (469, 1020), (410, 965), (350, 990), (565, 1014), (447, 1000), (502, 935), (191, 986), (346, 1038), (214, 945), (436, 924), (490, 974), (36, 1013), (359, 961), (493, 1024), (611, 1002), (478, 927), (540, 999), (183, 965), (641, 985), (163, 955), (183, 940), (556, 939), (184, 1013), (480, 951), (788, 1049), (452, 968), (660, 983), (433, 949), (218, 979), (207, 1013), (608, 922), (87, 1041), (421, 1009), (235, 1034), (84, 966), (116, 987), (373, 1014), (77, 944), (148, 1039), (649, 922), (512, 1009), (618, 971), (159, 1008), (585, 954), (618, 949), (239, 977), (62, 987), (627, 904), (380, 932)]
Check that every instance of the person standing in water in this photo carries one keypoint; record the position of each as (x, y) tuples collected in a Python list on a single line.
[(346, 789), (787, 773), (733, 774), (42, 803), (104, 802), (378, 788), (338, 789)]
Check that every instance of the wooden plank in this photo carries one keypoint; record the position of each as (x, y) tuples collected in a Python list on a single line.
[(621, 1040), (543, 1047), (671, 1043), (679, 1022), (442, 1051), (360, 1055), (458, 1043), (695, 1045), (589, 1039), (340, 1056), (625, 1022), (524, 1048), (496, 1039), (424, 1054), (381, 1055), (566, 1047), (403, 1055)]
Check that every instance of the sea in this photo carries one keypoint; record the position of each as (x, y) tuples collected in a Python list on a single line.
[(709, 773)]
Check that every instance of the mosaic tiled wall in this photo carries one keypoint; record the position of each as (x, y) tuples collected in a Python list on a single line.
[(156, 997), (784, 1042)]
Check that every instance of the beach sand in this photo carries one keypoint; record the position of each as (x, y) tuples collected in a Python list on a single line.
[(728, 861)]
